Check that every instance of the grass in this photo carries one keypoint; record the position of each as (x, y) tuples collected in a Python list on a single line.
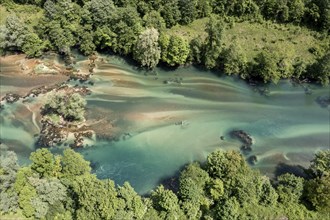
[(30, 14), (289, 41), (191, 30), (4, 13)]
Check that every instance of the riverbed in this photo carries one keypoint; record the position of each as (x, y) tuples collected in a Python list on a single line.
[(168, 118)]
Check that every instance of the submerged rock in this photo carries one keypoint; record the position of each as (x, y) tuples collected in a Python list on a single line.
[(177, 81), (244, 137), (323, 101), (253, 160)]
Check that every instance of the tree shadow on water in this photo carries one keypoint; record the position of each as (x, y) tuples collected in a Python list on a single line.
[(173, 182), (296, 170)]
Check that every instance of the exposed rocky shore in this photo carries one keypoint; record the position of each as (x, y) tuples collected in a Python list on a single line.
[(63, 132)]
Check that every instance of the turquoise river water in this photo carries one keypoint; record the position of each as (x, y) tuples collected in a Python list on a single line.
[(287, 126)]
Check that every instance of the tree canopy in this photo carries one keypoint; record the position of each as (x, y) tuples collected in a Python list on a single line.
[(225, 187)]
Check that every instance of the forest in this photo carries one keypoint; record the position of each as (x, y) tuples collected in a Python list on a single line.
[(258, 40), (224, 187)]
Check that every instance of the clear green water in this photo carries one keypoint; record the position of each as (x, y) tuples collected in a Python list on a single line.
[(287, 127)]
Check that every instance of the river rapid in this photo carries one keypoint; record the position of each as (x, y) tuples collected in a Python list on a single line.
[(162, 122)]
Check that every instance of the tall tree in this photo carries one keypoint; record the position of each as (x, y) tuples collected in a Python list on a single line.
[(127, 27), (8, 171), (175, 50), (94, 198), (101, 12), (147, 51), (45, 163), (266, 67), (134, 207), (197, 50), (188, 11), (166, 202), (170, 12), (235, 61), (320, 165), (290, 188), (73, 164), (69, 106), (213, 43), (153, 19)]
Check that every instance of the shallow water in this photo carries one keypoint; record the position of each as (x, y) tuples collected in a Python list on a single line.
[(287, 127)]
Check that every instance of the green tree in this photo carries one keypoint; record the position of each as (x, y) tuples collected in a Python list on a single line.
[(8, 171), (13, 34), (213, 43), (101, 11), (317, 13), (166, 202), (204, 8), (175, 50), (235, 61), (193, 180), (296, 10), (227, 209), (318, 193), (26, 192), (153, 19), (61, 24), (45, 163), (225, 164), (70, 106), (33, 46), (125, 3), (266, 67), (235, 7), (86, 37), (320, 165), (290, 188), (94, 198), (104, 37), (147, 51), (197, 50), (188, 11), (322, 73), (127, 26), (134, 206), (170, 12), (73, 164), (267, 194), (26, 196), (50, 192)]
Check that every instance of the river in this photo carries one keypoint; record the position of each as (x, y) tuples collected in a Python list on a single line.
[(168, 125)]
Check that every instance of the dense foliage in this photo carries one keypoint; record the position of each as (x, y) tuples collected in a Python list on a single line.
[(225, 187), (70, 106), (138, 28)]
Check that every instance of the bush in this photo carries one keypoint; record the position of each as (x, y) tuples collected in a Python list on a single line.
[(70, 106)]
